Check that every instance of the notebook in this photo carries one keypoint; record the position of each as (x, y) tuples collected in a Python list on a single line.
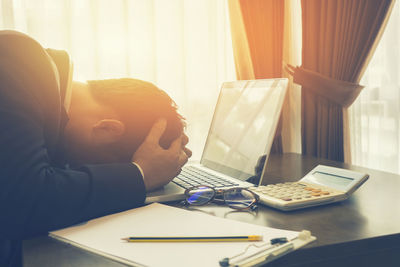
[(241, 131)]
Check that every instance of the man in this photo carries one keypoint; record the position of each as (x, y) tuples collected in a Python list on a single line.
[(112, 161), (109, 119)]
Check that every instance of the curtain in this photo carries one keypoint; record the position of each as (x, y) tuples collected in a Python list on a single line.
[(338, 39), (374, 116), (184, 47), (257, 34), (291, 134)]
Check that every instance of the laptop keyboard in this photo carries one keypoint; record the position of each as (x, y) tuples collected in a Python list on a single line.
[(192, 176)]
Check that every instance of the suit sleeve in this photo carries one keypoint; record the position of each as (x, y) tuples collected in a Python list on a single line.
[(36, 197)]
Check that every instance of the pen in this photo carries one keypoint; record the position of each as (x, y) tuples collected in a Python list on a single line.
[(195, 238)]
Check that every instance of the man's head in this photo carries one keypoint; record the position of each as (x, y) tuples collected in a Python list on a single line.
[(109, 119)]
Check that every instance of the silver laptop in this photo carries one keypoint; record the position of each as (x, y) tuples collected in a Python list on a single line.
[(242, 130)]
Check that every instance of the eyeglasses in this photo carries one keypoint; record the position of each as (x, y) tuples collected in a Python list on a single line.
[(237, 198)]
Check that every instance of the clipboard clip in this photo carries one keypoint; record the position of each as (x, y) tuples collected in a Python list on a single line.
[(277, 247)]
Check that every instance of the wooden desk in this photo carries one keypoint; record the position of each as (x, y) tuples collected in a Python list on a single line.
[(361, 231)]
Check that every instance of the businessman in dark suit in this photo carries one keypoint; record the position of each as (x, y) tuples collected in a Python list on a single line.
[(64, 157)]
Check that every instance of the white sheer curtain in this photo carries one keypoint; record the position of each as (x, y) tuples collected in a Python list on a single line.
[(183, 46), (291, 112), (375, 116)]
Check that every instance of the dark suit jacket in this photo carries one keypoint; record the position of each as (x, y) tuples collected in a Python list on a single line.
[(37, 193)]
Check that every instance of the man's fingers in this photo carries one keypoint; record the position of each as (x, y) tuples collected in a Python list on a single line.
[(176, 146), (157, 131), (185, 140), (176, 149), (187, 151), (183, 158)]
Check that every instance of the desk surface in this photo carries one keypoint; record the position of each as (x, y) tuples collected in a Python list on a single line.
[(363, 230)]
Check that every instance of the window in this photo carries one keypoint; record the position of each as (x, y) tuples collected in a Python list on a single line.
[(375, 115)]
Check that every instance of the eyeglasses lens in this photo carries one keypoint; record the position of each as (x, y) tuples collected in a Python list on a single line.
[(200, 195), (239, 198)]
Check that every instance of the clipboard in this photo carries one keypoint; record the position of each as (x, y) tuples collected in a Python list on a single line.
[(103, 236), (267, 252)]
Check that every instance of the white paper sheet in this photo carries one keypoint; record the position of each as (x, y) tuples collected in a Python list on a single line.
[(103, 236)]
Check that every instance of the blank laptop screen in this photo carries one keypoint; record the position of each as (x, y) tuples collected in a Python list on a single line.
[(243, 126)]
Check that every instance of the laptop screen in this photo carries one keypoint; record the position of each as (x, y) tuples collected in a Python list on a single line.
[(243, 126)]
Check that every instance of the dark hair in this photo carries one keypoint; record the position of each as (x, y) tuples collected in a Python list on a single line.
[(139, 104)]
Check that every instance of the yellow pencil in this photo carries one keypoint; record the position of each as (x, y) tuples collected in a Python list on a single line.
[(195, 239)]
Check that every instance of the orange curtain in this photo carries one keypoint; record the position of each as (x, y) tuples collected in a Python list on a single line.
[(257, 35), (339, 38)]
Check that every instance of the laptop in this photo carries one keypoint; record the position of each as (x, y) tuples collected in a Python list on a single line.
[(241, 132)]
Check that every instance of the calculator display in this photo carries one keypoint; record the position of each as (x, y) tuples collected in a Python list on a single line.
[(330, 180)]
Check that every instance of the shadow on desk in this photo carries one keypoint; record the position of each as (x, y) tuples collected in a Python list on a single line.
[(366, 253)]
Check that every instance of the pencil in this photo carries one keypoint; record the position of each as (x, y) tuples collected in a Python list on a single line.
[(195, 239)]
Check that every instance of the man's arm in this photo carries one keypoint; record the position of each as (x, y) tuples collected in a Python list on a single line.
[(36, 197)]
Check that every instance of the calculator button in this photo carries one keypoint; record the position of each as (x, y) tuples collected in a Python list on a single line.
[(309, 188), (315, 194), (316, 190), (286, 199), (325, 193)]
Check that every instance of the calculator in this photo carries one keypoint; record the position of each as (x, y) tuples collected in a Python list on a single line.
[(322, 185)]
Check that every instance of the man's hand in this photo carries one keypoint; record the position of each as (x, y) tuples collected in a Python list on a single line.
[(160, 165)]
